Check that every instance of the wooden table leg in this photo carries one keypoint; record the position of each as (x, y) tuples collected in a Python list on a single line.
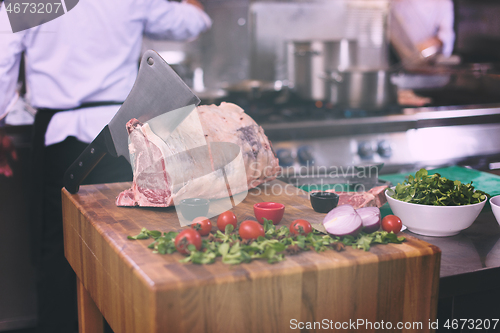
[(90, 319)]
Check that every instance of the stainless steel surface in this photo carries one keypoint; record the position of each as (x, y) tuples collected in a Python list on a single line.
[(224, 50), (341, 54), (308, 61), (420, 81), (254, 89), (157, 90), (365, 89), (274, 24), (248, 38), (420, 137), (305, 66)]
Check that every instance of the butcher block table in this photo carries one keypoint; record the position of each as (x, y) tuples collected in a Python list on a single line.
[(137, 290)]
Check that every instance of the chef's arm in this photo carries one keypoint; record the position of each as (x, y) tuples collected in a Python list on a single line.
[(176, 21), (444, 39), (430, 47), (446, 34)]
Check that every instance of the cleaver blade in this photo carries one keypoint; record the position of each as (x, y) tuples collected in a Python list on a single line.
[(157, 90)]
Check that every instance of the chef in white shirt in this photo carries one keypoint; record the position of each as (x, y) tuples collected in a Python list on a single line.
[(421, 32), (426, 26), (79, 68)]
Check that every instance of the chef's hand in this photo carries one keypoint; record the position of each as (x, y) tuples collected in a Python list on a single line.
[(430, 48), (7, 152), (408, 97), (194, 3)]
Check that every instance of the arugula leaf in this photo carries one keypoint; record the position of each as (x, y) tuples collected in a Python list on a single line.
[(224, 249), (436, 190), (198, 257), (145, 234), (271, 248), (142, 235), (235, 248), (165, 244), (363, 242), (268, 226), (229, 229)]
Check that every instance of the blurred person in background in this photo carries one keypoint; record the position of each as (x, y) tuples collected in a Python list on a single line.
[(80, 67), (422, 29), (421, 32)]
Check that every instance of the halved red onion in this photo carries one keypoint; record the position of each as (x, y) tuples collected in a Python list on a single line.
[(343, 220), (370, 216)]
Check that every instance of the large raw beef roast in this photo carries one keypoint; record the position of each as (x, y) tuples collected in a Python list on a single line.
[(163, 169)]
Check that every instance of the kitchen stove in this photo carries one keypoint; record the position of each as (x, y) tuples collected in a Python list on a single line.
[(318, 143), (296, 110)]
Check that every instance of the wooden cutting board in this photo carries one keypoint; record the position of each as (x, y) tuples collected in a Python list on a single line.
[(139, 291)]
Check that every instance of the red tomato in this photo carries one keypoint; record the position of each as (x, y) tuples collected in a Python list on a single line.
[(226, 218), (251, 230), (186, 237), (300, 227), (392, 223), (202, 224)]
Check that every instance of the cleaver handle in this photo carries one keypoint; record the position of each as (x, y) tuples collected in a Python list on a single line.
[(87, 160)]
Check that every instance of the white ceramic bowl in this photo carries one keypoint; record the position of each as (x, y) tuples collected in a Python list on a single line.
[(437, 221), (495, 207)]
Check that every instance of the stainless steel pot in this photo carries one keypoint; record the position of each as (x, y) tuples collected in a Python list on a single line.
[(309, 60), (341, 54), (360, 89)]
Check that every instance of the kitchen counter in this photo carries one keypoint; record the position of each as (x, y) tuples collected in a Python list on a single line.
[(470, 261), (139, 291), (318, 141), (474, 254), (408, 118), (470, 273)]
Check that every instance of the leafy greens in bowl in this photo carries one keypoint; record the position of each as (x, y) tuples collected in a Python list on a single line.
[(435, 206), (435, 190)]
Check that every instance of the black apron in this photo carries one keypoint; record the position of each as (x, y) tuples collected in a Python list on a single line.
[(42, 120), (56, 281)]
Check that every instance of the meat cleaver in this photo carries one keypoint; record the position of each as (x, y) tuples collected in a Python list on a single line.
[(157, 90)]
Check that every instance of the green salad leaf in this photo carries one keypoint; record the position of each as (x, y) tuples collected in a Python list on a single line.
[(277, 243), (435, 190)]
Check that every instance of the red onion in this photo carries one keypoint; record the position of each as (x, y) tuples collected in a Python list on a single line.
[(343, 220), (370, 217)]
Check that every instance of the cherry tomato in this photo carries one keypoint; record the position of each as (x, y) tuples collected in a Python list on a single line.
[(251, 230), (226, 218), (392, 223), (202, 224), (300, 227), (186, 237)]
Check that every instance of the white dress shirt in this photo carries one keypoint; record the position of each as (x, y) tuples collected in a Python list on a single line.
[(423, 19), (89, 54)]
